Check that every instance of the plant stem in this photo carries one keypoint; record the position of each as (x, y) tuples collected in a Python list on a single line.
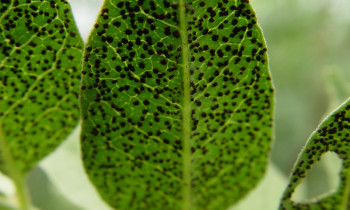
[(345, 204), (22, 194), (186, 112), (16, 176)]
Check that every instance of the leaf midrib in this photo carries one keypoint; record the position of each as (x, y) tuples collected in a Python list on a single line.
[(186, 110)]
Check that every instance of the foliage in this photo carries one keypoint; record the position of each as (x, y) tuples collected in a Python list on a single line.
[(176, 101)]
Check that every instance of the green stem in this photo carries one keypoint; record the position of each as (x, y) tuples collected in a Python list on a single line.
[(22, 194), (17, 177), (186, 112)]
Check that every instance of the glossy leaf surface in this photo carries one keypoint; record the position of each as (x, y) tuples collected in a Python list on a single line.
[(331, 136), (40, 61), (176, 104)]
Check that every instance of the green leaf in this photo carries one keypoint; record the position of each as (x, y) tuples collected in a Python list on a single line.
[(176, 103), (331, 136), (40, 59)]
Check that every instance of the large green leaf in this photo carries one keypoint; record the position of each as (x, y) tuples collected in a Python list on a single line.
[(176, 104), (40, 61), (331, 136)]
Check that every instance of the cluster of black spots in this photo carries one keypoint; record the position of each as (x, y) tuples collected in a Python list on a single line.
[(40, 56), (332, 136), (132, 98), (231, 97), (131, 101)]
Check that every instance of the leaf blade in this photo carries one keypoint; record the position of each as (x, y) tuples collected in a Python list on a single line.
[(134, 103), (39, 71)]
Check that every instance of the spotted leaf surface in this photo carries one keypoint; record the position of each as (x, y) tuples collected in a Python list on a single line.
[(40, 59), (176, 103), (332, 135)]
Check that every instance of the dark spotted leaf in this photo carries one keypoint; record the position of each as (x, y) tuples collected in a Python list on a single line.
[(40, 59), (176, 103), (331, 136)]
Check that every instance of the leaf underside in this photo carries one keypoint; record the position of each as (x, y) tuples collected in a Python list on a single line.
[(332, 135), (146, 145), (40, 57)]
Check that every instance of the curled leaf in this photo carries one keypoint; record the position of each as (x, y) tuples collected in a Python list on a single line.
[(332, 135)]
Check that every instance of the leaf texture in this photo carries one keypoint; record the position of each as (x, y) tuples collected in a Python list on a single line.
[(332, 135), (40, 62), (176, 103)]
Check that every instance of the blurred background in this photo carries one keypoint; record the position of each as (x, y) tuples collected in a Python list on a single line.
[(308, 46)]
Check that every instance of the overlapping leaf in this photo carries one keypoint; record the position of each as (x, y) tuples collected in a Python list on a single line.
[(176, 103), (333, 135), (40, 57)]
